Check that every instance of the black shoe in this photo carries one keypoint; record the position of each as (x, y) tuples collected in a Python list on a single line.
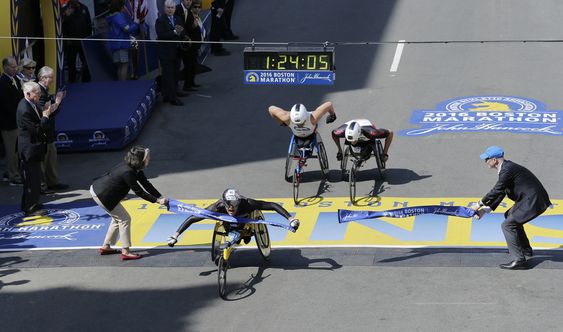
[(231, 37), (515, 265), (182, 94), (35, 211), (58, 186), (16, 183), (47, 191), (246, 239), (177, 102), (200, 69)]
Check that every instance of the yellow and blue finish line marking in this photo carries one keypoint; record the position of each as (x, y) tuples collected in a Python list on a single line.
[(85, 226)]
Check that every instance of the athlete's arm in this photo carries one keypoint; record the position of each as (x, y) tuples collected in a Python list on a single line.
[(280, 115), (193, 219), (337, 134), (268, 206), (317, 114), (378, 133)]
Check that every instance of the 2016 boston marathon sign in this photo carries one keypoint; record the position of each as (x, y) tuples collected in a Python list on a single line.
[(288, 77), (486, 113)]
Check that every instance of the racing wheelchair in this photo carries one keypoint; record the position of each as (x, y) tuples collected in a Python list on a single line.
[(222, 245), (301, 151), (358, 157)]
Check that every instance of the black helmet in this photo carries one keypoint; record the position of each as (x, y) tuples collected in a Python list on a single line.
[(231, 197)]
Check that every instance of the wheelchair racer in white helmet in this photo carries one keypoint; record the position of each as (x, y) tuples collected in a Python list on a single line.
[(302, 123)]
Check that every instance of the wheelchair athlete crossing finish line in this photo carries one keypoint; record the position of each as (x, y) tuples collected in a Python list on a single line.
[(302, 123), (236, 205), (361, 134)]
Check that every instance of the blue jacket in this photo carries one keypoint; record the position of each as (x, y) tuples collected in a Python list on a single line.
[(120, 26)]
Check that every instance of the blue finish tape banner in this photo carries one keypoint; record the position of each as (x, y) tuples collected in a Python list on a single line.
[(457, 211), (179, 207)]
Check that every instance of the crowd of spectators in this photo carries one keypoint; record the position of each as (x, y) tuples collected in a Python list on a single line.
[(126, 23), (27, 118), (28, 131)]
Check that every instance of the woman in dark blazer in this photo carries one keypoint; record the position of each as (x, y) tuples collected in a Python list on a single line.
[(109, 189)]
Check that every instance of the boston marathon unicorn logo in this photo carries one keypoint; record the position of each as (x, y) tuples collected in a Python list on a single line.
[(487, 113), (251, 77)]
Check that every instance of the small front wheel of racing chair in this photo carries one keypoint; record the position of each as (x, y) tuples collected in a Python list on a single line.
[(222, 268), (352, 181), (296, 182), (292, 154), (344, 162)]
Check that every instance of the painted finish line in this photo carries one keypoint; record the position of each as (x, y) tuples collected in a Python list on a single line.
[(84, 226)]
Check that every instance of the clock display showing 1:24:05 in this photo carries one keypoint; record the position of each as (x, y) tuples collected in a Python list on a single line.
[(298, 62)]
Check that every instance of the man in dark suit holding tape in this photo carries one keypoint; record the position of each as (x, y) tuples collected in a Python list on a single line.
[(530, 197)]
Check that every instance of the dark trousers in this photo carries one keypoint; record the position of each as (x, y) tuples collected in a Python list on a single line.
[(228, 13), (217, 32), (31, 172), (71, 50), (189, 58), (169, 80), (516, 238)]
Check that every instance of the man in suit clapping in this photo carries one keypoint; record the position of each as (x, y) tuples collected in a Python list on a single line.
[(33, 125)]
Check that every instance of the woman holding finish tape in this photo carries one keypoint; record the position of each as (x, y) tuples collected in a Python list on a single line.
[(112, 187)]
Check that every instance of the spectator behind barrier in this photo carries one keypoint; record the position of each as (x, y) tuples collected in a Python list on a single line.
[(120, 26), (77, 23), (27, 71)]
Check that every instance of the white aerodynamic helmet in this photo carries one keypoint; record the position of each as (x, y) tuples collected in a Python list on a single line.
[(298, 114), (353, 131)]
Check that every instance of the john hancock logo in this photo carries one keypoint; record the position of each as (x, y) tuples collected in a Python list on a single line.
[(487, 113)]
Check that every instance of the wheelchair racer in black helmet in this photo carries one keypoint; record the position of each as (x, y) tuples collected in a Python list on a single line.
[(234, 204)]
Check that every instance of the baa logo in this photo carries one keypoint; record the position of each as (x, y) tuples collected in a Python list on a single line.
[(63, 141), (98, 138), (52, 217), (487, 113), (251, 77)]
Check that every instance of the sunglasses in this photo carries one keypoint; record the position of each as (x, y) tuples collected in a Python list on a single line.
[(29, 67)]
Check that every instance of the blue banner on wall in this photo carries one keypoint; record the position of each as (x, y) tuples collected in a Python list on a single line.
[(486, 113), (288, 77)]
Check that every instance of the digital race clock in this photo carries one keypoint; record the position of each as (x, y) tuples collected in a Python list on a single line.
[(289, 65), (310, 58)]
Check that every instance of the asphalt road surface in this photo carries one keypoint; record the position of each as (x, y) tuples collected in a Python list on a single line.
[(223, 137)]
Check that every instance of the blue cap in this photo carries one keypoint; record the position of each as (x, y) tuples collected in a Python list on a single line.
[(493, 152)]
